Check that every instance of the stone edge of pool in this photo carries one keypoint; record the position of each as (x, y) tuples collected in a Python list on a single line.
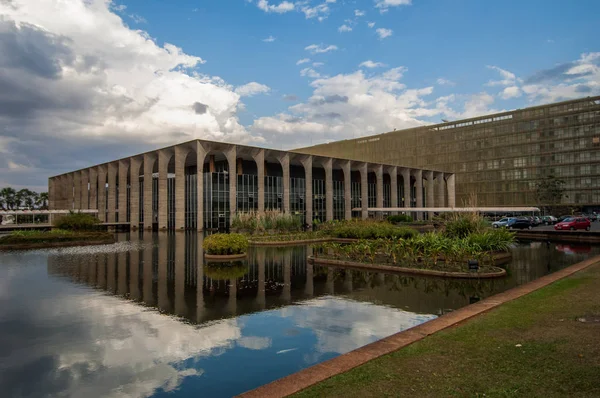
[(312, 375)]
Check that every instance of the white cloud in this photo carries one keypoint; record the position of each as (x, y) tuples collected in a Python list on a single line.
[(320, 11), (392, 3), (320, 48), (137, 18), (309, 72), (511, 92), (371, 64), (303, 61), (88, 80), (508, 78), (371, 24), (344, 28), (252, 88), (269, 39), (317, 64), (359, 13), (383, 32), (283, 7), (445, 82)]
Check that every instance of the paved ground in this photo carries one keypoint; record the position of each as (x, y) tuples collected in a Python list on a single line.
[(544, 344), (595, 227)]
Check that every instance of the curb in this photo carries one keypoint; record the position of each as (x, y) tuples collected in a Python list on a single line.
[(224, 257), (301, 242), (28, 246), (307, 377), (411, 271)]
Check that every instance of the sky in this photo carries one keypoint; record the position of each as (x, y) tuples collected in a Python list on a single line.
[(88, 81)]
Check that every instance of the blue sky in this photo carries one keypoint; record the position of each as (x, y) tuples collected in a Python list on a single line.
[(88, 81)]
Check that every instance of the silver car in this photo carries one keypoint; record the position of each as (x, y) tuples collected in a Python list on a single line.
[(503, 222)]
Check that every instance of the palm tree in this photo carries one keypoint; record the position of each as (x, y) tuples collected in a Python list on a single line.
[(42, 200), (25, 198), (9, 199)]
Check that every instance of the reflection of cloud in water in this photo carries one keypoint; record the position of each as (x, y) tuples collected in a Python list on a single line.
[(104, 346), (342, 325), (254, 342)]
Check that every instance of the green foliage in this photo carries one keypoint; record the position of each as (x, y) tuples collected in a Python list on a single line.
[(11, 199), (55, 235), (399, 218), (222, 244), (457, 225), (424, 250), (289, 237), (550, 190), (77, 222), (366, 229)]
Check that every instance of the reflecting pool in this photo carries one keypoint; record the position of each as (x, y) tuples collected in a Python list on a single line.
[(148, 317)]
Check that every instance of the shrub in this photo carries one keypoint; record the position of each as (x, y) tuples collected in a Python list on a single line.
[(222, 244), (55, 235), (270, 220), (492, 240), (77, 222), (360, 229), (399, 218), (462, 225)]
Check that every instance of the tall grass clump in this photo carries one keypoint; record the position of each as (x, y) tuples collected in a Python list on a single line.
[(367, 229), (461, 225), (77, 222)]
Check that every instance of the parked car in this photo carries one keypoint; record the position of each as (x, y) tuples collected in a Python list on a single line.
[(519, 223), (549, 220), (503, 222), (573, 223), (535, 221)]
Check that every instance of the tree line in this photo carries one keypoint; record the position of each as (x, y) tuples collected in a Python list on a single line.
[(11, 199)]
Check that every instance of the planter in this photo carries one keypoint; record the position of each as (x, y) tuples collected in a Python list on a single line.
[(497, 273), (224, 257), (47, 245)]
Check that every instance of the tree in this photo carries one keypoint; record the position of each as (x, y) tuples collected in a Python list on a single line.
[(8, 198), (42, 201), (550, 191)]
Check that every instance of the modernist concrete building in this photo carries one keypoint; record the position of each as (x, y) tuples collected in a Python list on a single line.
[(166, 188), (500, 158)]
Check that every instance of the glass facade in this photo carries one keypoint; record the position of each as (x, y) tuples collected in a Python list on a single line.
[(498, 158)]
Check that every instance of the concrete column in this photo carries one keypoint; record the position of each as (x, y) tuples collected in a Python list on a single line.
[(364, 190), (148, 275), (122, 195), (200, 155), (231, 155), (149, 160), (70, 178), (51, 193), (430, 193), (163, 256), (180, 156), (134, 193), (180, 306), (440, 189), (308, 191), (379, 177), (93, 188), (419, 188), (406, 183), (164, 156), (112, 191), (285, 166), (102, 193), (393, 172), (259, 158), (450, 183), (347, 190), (199, 275), (134, 264), (328, 166), (85, 179), (77, 190)]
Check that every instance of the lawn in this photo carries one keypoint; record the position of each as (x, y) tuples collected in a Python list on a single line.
[(545, 344)]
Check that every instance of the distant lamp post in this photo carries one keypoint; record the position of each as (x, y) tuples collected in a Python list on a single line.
[(473, 265)]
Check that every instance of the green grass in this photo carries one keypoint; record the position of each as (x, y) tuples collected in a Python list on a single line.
[(559, 356)]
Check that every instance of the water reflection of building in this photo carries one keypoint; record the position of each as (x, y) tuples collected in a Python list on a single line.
[(167, 271)]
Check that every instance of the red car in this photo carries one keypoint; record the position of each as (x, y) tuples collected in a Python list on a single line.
[(573, 223)]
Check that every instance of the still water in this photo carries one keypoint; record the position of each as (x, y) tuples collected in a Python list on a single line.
[(147, 317)]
